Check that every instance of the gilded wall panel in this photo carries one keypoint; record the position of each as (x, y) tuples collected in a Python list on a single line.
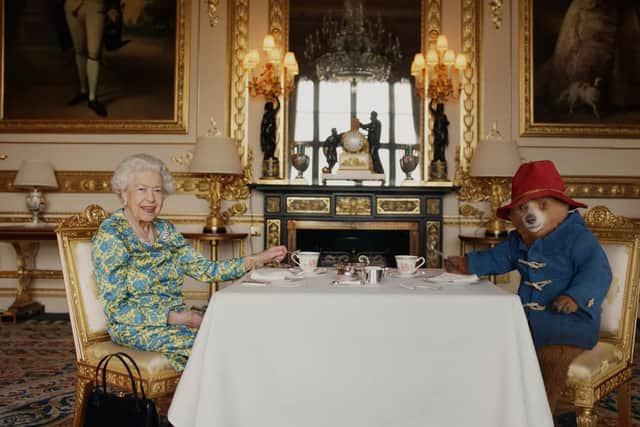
[(397, 206), (351, 205)]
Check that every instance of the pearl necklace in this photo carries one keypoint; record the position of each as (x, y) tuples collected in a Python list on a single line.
[(148, 236)]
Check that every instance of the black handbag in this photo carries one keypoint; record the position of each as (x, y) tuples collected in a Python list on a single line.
[(116, 408)]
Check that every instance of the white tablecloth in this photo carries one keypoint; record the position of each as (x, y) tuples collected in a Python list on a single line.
[(373, 356)]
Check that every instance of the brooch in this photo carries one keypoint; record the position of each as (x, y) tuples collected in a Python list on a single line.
[(590, 302), (164, 236)]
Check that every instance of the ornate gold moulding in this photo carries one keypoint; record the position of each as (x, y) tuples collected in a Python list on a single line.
[(585, 187), (100, 182), (473, 189)]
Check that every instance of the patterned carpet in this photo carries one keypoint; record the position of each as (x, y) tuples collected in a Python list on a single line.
[(37, 377), (37, 373)]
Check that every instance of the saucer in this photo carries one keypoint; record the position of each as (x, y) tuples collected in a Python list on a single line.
[(405, 276), (297, 271), (414, 274)]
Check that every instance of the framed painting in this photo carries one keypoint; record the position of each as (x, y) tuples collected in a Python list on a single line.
[(94, 66), (580, 68)]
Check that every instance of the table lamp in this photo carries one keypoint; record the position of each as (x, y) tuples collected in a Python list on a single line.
[(217, 158), (497, 160), (36, 175)]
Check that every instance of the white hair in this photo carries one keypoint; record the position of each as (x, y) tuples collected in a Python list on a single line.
[(141, 163)]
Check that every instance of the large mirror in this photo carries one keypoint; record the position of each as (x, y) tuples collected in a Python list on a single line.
[(337, 82), (414, 23)]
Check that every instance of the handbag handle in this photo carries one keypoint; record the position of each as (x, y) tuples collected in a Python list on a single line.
[(123, 357)]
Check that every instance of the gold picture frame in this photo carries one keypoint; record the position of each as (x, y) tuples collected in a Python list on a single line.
[(143, 81), (576, 86)]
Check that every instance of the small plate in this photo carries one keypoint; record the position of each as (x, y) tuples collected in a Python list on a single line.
[(297, 271), (404, 276)]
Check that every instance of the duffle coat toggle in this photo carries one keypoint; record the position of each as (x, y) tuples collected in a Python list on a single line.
[(538, 285), (534, 306), (531, 264)]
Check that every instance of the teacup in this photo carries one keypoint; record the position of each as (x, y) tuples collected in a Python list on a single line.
[(307, 261), (408, 264)]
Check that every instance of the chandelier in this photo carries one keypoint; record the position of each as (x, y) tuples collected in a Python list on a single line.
[(440, 70), (348, 48)]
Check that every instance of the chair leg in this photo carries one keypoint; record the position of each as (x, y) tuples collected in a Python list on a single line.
[(624, 404), (83, 388), (162, 404), (586, 418)]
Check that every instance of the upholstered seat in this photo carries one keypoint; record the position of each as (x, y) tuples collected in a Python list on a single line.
[(88, 320), (597, 372)]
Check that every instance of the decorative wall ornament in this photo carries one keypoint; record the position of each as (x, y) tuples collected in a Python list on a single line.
[(470, 211), (184, 160), (434, 207), (433, 241), (316, 205), (273, 204), (356, 206), (471, 13), (212, 12), (237, 208), (393, 206), (238, 95), (496, 13), (474, 189), (273, 232), (479, 189)]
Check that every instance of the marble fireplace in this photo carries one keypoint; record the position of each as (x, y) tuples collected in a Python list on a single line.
[(342, 222)]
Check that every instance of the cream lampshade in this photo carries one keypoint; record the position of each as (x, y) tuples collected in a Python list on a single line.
[(495, 159), (36, 175), (217, 158)]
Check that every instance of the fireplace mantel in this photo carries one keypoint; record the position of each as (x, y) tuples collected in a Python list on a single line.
[(418, 209)]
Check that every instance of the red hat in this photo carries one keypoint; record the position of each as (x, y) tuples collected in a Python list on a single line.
[(534, 180)]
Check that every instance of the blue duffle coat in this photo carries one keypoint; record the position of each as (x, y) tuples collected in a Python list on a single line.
[(569, 261)]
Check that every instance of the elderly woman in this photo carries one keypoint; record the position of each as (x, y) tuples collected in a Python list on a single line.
[(140, 261)]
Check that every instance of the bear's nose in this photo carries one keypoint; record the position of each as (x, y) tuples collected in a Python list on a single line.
[(530, 219)]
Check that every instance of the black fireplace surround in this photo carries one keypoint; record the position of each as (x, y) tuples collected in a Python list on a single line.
[(344, 222)]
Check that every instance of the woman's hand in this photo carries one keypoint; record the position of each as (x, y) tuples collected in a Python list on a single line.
[(189, 318), (273, 254)]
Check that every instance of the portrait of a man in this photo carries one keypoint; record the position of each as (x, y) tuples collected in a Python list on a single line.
[(90, 60)]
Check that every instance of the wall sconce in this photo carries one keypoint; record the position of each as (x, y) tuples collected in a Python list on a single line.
[(438, 76), (267, 83), (441, 70), (275, 79), (497, 160), (217, 159), (35, 175)]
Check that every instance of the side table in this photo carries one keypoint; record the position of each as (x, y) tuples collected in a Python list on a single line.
[(198, 239), (25, 240)]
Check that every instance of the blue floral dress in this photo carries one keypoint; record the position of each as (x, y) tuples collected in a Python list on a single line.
[(141, 282)]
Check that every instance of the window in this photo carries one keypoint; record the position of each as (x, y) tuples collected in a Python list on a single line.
[(320, 106)]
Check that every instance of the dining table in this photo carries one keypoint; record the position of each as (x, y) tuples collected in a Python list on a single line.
[(281, 348)]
